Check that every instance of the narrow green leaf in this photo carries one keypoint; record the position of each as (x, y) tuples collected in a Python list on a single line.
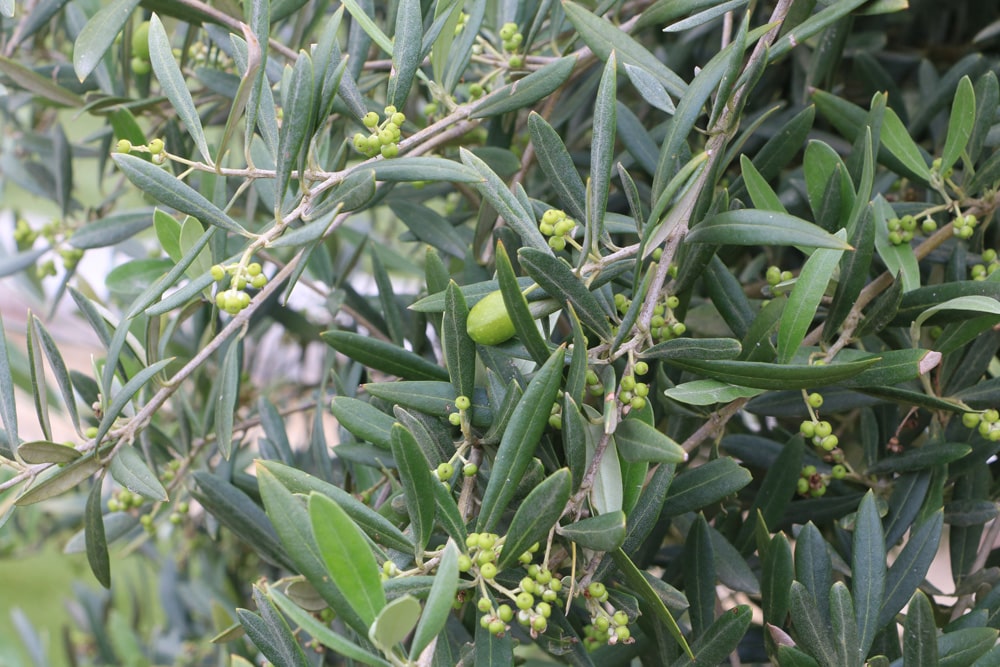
[(459, 349), (99, 34), (910, 567), (18, 262), (40, 85), (774, 376), (394, 622), (228, 397), (694, 348), (363, 420), (97, 545), (638, 441), (174, 86), (403, 169), (708, 392), (697, 488), (699, 576), (896, 138), (368, 25), (558, 166), (536, 516), (776, 580), (506, 204), (516, 306), (270, 633), (113, 229), (235, 510), (439, 601), (384, 356), (517, 447), (920, 633), (293, 136), (776, 491), (960, 124), (650, 88), (854, 269), (704, 16), (604, 532), (814, 633), (917, 301), (406, 51), (974, 304), (63, 480), (638, 583), (349, 562), (757, 227), (965, 646), (602, 37), (290, 519), (763, 195), (805, 299), (163, 187), (45, 451), (845, 627), (557, 278), (720, 639), (57, 365), (130, 470), (322, 633), (39, 386), (415, 476), (868, 570), (789, 656), (918, 458), (602, 146), (608, 491)]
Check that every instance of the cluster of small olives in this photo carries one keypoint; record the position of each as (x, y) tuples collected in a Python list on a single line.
[(813, 483), (663, 325), (155, 148), (988, 266), (986, 422), (235, 299), (775, 276), (25, 236), (557, 226), (901, 230), (384, 134), (124, 500), (964, 226), (512, 40), (632, 393), (607, 625)]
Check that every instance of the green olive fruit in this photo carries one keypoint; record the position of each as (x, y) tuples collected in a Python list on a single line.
[(140, 41), (489, 323), (140, 67)]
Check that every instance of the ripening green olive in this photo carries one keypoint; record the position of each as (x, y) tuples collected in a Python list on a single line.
[(489, 323), (140, 41)]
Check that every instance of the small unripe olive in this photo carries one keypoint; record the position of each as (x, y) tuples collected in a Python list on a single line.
[(489, 323), (140, 41), (140, 66)]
